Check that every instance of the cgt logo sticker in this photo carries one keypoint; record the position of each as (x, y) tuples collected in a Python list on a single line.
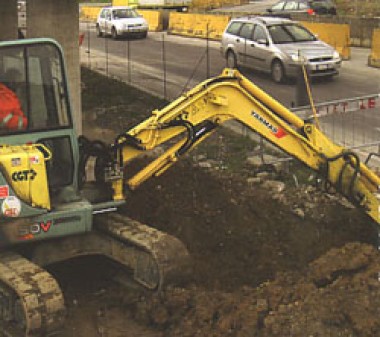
[(24, 175)]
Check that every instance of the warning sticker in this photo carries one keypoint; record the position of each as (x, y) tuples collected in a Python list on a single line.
[(11, 207), (4, 191)]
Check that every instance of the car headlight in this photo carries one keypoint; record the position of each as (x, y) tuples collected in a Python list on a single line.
[(336, 55), (295, 58), (298, 58)]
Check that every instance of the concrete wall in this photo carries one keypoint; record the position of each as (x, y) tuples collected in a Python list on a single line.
[(59, 19), (8, 19)]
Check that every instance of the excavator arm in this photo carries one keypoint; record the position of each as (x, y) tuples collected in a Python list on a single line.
[(191, 118)]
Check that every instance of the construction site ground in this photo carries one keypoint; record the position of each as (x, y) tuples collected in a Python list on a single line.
[(272, 255)]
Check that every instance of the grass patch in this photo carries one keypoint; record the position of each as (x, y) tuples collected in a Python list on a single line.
[(102, 91)]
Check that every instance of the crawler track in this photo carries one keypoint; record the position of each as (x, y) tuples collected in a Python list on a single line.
[(157, 258), (31, 301)]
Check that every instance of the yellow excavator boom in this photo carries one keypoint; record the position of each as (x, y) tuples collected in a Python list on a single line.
[(191, 118)]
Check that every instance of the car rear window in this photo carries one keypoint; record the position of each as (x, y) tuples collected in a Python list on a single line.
[(279, 6), (325, 3), (291, 5), (322, 4)]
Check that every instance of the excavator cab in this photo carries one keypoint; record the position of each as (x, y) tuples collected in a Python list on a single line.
[(39, 153), (35, 74)]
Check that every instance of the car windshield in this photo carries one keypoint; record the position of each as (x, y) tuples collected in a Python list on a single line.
[(124, 13), (290, 33)]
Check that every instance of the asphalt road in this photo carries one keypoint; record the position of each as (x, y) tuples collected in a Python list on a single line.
[(183, 62), (168, 65)]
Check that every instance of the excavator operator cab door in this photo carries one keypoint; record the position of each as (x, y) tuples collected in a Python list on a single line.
[(35, 109)]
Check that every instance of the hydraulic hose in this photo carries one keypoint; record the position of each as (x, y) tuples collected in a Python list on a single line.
[(87, 149), (347, 156)]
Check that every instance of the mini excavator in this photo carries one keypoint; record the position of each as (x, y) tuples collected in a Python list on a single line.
[(50, 213)]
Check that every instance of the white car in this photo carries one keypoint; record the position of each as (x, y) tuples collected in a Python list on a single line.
[(120, 21)]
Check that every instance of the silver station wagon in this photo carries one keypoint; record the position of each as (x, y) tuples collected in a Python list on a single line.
[(277, 46)]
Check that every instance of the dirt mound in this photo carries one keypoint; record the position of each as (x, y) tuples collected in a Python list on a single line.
[(257, 265), (240, 234), (337, 295)]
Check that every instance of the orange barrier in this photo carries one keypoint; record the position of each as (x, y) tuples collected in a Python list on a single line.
[(120, 2), (90, 13), (213, 4), (374, 58), (336, 35), (198, 25), (154, 19)]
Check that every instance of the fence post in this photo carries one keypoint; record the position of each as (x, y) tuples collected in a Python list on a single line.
[(164, 62), (129, 60), (106, 48), (88, 46), (207, 52)]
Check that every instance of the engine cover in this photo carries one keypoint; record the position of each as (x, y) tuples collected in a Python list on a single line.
[(23, 167)]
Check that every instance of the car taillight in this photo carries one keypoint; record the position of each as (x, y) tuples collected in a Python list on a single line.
[(310, 11)]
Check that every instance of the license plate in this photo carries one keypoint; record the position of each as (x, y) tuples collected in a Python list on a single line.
[(322, 66)]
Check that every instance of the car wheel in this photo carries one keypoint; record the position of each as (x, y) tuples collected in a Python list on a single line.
[(98, 31), (278, 72), (231, 59), (114, 33)]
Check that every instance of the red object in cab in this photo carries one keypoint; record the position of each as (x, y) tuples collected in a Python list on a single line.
[(11, 115)]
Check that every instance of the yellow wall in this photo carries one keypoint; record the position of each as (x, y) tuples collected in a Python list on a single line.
[(374, 58), (336, 35), (198, 25)]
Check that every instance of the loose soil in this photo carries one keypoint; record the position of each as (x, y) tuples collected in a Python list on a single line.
[(268, 259)]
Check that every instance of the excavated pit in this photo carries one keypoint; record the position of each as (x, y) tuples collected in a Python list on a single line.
[(268, 259)]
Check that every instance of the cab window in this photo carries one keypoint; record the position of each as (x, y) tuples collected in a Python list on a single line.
[(34, 76)]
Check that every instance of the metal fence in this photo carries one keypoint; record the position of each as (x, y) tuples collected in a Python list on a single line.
[(353, 122), (121, 60)]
